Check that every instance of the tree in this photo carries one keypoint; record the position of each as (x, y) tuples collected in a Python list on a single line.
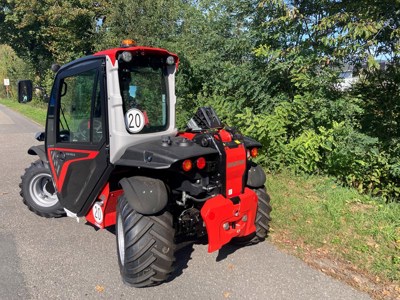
[(43, 32), (216, 42), (361, 35), (307, 43), (12, 67), (212, 38), (148, 22)]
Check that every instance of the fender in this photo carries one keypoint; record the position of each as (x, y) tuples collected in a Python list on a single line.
[(250, 143), (39, 151), (146, 195), (255, 176)]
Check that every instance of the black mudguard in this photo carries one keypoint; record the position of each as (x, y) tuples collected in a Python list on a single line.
[(39, 151), (250, 143), (147, 196), (256, 176)]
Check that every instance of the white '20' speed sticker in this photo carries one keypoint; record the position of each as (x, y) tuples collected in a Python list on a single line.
[(135, 120), (97, 213)]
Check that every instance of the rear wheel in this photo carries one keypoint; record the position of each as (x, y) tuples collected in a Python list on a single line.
[(38, 192), (145, 246), (262, 220)]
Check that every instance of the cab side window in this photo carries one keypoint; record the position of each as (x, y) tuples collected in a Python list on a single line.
[(80, 113)]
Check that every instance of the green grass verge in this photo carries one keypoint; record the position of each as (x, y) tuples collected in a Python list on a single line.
[(34, 110), (316, 213)]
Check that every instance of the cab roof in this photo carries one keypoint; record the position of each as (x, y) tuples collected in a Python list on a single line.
[(138, 50)]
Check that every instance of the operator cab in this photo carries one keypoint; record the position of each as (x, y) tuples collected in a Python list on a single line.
[(100, 106), (141, 95)]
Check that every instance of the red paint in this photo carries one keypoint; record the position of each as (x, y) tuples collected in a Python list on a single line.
[(59, 181), (146, 118), (188, 135), (108, 203), (110, 213), (235, 168), (224, 136), (219, 210), (112, 53)]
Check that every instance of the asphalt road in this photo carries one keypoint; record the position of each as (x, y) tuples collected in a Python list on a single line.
[(63, 259)]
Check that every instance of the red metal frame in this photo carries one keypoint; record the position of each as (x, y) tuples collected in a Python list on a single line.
[(235, 168), (188, 135), (107, 201), (219, 210), (224, 136)]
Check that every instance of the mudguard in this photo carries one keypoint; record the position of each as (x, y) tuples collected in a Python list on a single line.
[(250, 143), (256, 176), (147, 196), (39, 151)]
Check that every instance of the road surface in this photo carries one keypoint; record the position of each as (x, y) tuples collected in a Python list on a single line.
[(63, 259)]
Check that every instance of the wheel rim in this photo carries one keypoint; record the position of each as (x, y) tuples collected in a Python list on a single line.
[(121, 240), (42, 190)]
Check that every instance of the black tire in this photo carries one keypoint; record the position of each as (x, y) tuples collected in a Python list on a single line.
[(262, 220), (145, 246), (38, 192)]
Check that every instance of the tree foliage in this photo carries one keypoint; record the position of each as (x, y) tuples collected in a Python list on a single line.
[(309, 43), (44, 32), (13, 68), (270, 67)]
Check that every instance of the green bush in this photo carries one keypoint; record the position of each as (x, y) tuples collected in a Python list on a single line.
[(358, 160), (292, 140)]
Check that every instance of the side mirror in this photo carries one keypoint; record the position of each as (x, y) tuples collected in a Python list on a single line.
[(24, 91)]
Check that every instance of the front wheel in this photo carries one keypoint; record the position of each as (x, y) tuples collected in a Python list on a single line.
[(262, 220), (145, 246), (38, 192)]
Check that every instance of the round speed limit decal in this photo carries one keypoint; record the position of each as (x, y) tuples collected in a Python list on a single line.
[(135, 120), (97, 213)]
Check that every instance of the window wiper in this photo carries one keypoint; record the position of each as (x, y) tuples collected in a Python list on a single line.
[(65, 120)]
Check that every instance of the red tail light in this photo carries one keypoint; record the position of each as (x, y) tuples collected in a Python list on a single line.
[(187, 165), (254, 152), (201, 163)]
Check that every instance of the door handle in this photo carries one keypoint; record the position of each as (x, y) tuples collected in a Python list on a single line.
[(61, 155)]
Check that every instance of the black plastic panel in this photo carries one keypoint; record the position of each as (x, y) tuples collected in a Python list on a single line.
[(159, 155)]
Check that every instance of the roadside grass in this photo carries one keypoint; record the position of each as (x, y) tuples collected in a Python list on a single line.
[(35, 110), (316, 215)]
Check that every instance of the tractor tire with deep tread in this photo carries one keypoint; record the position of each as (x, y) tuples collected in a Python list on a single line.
[(145, 246), (263, 218), (38, 192)]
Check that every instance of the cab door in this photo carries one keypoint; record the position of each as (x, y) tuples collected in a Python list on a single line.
[(76, 134)]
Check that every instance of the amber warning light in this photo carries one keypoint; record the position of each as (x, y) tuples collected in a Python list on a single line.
[(254, 152), (127, 43), (187, 165)]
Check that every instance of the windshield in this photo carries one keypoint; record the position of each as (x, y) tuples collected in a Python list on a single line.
[(143, 85)]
